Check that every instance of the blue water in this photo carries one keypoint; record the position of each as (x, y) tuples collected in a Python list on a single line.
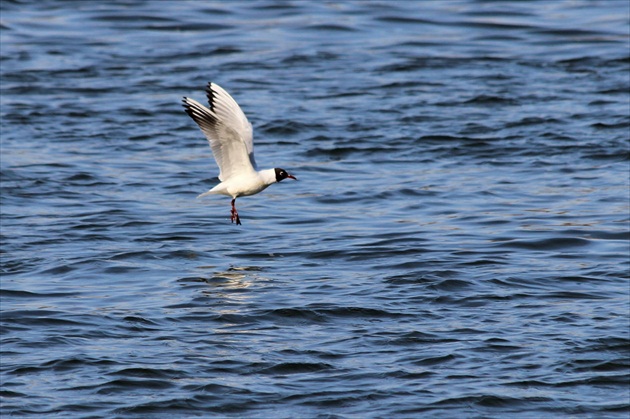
[(457, 244)]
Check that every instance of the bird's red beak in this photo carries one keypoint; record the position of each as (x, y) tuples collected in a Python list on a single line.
[(291, 177)]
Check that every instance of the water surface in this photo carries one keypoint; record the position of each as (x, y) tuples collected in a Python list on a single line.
[(456, 246)]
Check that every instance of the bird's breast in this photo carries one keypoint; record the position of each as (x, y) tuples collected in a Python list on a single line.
[(246, 185)]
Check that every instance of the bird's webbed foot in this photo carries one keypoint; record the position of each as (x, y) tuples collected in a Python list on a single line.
[(234, 214)]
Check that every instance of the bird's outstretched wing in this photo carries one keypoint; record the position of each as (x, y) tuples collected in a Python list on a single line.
[(227, 129)]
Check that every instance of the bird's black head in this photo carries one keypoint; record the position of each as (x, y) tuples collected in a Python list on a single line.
[(282, 174)]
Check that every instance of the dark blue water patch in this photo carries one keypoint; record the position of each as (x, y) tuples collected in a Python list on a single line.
[(327, 28), (491, 100), (125, 384), (433, 63), (167, 237), (294, 314), (18, 265), (288, 127), (404, 20), (187, 27), (317, 313), (573, 33), (206, 402), (29, 295), (547, 244), (287, 368), (600, 125), (527, 121), (317, 58), (343, 152)]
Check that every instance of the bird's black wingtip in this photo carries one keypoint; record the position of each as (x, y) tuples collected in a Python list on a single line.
[(187, 108), (210, 95)]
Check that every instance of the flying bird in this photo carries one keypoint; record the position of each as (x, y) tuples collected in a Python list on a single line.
[(232, 142)]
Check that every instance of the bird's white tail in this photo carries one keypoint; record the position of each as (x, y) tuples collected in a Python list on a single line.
[(210, 192)]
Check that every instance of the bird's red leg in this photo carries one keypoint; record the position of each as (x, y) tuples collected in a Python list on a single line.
[(234, 216)]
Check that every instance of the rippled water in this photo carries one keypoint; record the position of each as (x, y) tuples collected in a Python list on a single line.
[(457, 245)]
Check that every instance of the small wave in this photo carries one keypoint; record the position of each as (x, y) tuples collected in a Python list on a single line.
[(296, 368)]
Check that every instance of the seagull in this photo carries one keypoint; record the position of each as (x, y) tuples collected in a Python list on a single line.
[(232, 142)]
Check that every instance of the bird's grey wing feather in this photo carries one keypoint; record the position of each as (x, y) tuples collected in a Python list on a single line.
[(228, 112), (226, 135)]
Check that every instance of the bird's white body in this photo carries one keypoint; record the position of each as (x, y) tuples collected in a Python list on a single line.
[(244, 184), (232, 142)]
